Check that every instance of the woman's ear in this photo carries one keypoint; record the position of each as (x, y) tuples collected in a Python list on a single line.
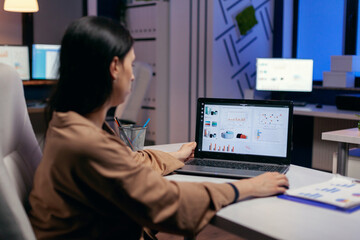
[(115, 67)]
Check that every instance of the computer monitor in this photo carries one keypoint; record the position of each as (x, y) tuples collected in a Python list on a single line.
[(284, 74), (17, 57), (45, 61)]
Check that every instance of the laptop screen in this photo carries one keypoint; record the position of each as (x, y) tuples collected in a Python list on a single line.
[(244, 129)]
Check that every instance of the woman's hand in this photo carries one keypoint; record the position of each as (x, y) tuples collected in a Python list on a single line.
[(269, 184), (185, 152), (266, 184)]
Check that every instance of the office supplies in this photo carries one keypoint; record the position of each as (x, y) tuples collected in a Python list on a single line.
[(45, 61), (140, 132), (339, 193), (18, 58), (137, 133), (241, 138), (123, 135)]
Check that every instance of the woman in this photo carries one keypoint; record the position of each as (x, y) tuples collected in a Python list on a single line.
[(89, 184)]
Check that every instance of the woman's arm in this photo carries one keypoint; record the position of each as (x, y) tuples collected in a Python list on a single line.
[(163, 162)]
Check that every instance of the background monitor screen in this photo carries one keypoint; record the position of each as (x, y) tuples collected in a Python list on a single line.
[(45, 61), (282, 74), (17, 57)]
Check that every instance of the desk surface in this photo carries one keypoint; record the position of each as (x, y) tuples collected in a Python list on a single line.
[(272, 217), (327, 111), (351, 135)]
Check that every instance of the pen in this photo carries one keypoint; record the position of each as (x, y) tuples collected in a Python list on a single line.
[(140, 132), (123, 134)]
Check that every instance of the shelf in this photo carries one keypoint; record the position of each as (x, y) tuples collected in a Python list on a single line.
[(39, 82), (337, 88)]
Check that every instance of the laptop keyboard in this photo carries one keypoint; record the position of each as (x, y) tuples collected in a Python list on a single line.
[(236, 165)]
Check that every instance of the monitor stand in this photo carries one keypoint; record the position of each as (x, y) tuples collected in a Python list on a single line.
[(299, 104), (282, 96)]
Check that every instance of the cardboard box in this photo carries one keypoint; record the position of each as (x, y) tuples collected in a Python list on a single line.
[(345, 63), (338, 79)]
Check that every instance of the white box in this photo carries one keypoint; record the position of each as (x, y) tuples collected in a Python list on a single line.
[(338, 79), (345, 63)]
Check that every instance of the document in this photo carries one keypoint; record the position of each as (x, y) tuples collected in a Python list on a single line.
[(339, 191)]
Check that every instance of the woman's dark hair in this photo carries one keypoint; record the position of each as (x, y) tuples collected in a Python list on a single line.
[(87, 49)]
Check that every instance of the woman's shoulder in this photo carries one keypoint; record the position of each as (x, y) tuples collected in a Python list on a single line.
[(73, 131)]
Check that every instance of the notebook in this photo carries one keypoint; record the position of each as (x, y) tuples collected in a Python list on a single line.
[(255, 134), (339, 193)]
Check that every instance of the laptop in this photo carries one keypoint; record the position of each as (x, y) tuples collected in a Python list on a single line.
[(241, 138)]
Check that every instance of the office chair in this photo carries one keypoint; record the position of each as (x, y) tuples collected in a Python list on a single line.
[(128, 111), (20, 155)]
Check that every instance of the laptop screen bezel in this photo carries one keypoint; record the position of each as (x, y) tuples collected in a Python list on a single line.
[(236, 156)]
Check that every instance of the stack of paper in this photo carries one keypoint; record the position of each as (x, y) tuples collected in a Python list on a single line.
[(340, 191)]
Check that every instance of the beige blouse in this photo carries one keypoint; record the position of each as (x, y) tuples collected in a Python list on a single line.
[(90, 185)]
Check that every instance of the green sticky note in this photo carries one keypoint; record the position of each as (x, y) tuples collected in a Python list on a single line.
[(246, 20)]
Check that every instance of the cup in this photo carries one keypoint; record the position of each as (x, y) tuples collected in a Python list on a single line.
[(133, 136)]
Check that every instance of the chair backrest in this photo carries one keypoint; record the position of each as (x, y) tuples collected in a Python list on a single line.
[(20, 155), (129, 110)]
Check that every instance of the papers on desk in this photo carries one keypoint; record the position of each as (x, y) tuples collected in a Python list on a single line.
[(340, 192)]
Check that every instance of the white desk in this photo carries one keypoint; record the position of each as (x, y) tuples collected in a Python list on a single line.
[(344, 138), (316, 121), (326, 111), (274, 218)]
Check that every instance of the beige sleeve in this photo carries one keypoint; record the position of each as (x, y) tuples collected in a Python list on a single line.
[(135, 189), (159, 161)]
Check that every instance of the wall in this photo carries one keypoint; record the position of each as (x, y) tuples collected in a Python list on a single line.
[(10, 26), (209, 58), (92, 7), (49, 23), (53, 18), (234, 55), (190, 64)]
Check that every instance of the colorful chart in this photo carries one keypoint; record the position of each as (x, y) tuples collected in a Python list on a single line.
[(227, 134), (311, 195), (209, 133), (210, 111), (330, 190), (221, 148), (345, 185), (236, 119), (271, 118), (258, 134), (241, 136)]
